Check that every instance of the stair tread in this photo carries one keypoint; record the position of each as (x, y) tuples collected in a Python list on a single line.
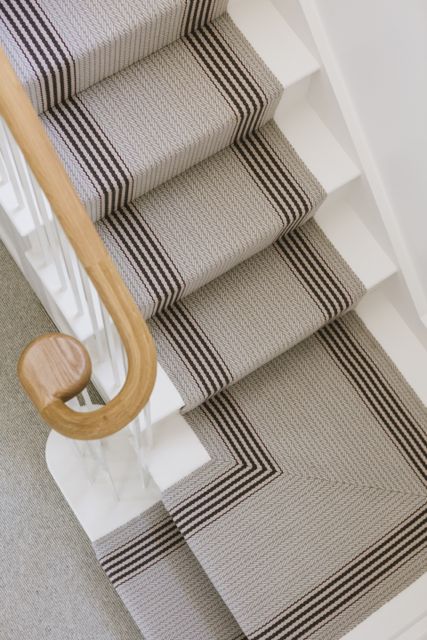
[(115, 141), (253, 313), (55, 60), (317, 466), (200, 224), (126, 556)]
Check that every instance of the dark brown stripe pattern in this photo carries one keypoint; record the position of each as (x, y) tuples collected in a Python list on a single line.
[(197, 353), (43, 47), (231, 77), (318, 279), (255, 466), (378, 395), (286, 195), (349, 584), (147, 256), (142, 552), (197, 14), (253, 469), (94, 152)]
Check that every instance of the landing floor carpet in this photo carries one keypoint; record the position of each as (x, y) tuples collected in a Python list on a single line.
[(51, 586)]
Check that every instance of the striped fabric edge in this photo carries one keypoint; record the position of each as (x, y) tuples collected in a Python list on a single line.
[(254, 468), (43, 48), (199, 12), (243, 93), (383, 402), (202, 360), (147, 256), (350, 583), (287, 197), (320, 282), (141, 552), (95, 154)]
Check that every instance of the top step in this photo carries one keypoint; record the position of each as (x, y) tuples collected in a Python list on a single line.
[(61, 48)]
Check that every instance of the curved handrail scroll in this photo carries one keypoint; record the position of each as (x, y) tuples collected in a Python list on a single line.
[(54, 369)]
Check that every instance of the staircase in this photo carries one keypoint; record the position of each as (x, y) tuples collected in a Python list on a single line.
[(220, 180)]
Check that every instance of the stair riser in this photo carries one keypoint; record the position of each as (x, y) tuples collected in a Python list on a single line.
[(55, 71), (213, 89)]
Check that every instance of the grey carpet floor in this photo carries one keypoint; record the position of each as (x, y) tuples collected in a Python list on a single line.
[(51, 585)]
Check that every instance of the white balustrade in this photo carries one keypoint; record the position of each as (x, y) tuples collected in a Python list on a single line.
[(76, 309)]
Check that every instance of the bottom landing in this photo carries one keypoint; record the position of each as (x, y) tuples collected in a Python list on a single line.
[(104, 501)]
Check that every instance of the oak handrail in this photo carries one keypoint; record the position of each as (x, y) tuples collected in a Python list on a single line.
[(53, 367)]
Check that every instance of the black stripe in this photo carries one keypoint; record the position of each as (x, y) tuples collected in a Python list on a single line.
[(127, 550), (234, 80), (362, 565), (336, 288), (117, 165), (240, 472), (177, 315), (155, 250), (61, 111), (274, 163), (124, 567), (286, 248), (47, 38), (150, 279), (373, 396), (189, 18), (228, 425), (228, 92), (262, 467), (327, 276), (176, 542), (251, 84), (174, 344), (366, 392), (263, 177), (32, 53), (390, 394), (68, 58), (206, 343), (183, 345), (328, 284)]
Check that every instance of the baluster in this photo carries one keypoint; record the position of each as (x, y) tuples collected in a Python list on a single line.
[(40, 203), (9, 162), (112, 347)]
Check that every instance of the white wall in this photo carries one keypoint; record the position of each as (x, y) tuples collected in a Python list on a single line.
[(381, 49)]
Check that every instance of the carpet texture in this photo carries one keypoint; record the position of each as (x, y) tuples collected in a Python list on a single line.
[(164, 251), (51, 585), (112, 160), (54, 60), (161, 582), (312, 510), (253, 313)]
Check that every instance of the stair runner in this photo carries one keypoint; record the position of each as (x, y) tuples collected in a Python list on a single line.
[(312, 510)]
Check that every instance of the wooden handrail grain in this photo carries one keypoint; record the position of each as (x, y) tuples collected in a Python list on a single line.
[(47, 395)]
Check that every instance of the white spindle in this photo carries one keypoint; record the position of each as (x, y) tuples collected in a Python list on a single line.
[(50, 247)]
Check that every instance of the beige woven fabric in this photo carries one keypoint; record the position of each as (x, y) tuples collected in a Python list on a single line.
[(191, 230), (117, 144), (253, 313), (161, 582), (61, 48), (313, 510)]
